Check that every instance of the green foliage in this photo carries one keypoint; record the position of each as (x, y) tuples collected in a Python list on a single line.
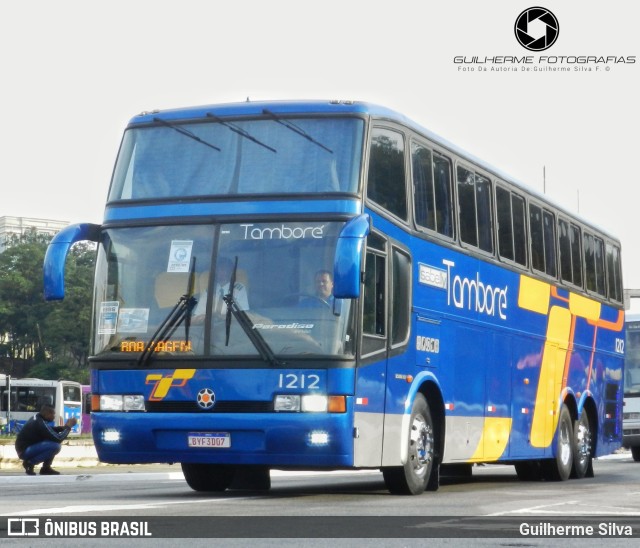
[(55, 336), (59, 370)]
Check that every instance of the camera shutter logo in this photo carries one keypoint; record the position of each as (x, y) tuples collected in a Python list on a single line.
[(537, 29), (206, 398)]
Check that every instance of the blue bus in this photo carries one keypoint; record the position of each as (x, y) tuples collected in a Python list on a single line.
[(467, 319)]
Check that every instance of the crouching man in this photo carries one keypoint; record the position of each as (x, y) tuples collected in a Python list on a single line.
[(39, 442)]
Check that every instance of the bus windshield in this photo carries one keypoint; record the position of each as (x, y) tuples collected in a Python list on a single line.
[(632, 360), (216, 157), (281, 295)]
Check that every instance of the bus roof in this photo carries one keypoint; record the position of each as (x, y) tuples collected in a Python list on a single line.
[(32, 381), (342, 107)]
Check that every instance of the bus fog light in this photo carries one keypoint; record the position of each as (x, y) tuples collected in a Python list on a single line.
[(318, 437), (133, 403), (314, 403), (286, 402), (110, 436)]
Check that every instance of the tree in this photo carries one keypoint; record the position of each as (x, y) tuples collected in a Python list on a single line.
[(52, 334), (22, 308), (66, 332)]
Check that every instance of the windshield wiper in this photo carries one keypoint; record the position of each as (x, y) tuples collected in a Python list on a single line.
[(240, 131), (296, 129), (179, 313), (186, 132), (245, 323)]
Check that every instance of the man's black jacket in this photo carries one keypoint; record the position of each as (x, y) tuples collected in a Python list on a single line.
[(35, 430)]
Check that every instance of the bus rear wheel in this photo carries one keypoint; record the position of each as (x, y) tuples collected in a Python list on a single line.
[(559, 468), (413, 477), (635, 453), (208, 477), (581, 447)]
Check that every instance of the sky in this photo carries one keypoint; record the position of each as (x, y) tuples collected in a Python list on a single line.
[(75, 72)]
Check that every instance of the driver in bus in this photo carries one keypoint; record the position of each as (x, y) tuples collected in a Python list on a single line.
[(39, 442), (323, 284)]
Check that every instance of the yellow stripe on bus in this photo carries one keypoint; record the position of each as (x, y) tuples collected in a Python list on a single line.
[(554, 357), (584, 308), (493, 442), (534, 295)]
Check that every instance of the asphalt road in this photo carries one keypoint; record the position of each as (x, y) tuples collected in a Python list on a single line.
[(305, 507)]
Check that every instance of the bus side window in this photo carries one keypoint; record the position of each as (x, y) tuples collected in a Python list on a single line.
[(386, 184), (614, 278), (422, 174), (594, 264), (512, 233), (432, 190), (475, 209), (570, 253), (543, 240), (505, 227)]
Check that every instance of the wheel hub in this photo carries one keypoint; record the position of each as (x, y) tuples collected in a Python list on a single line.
[(421, 446)]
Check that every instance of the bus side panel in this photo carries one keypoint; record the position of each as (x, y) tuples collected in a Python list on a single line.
[(369, 404), (527, 361), (505, 369)]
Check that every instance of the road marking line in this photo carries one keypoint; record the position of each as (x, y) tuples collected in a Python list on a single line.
[(112, 507), (577, 509)]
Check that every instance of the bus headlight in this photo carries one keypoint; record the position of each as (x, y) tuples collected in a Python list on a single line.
[(133, 403), (310, 403), (314, 403), (118, 402), (286, 402), (111, 403)]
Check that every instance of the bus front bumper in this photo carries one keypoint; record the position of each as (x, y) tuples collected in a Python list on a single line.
[(273, 439)]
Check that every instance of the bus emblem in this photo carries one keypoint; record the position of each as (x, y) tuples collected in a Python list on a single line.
[(162, 384), (206, 398)]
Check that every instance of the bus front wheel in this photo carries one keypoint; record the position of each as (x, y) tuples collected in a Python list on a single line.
[(413, 477), (208, 477)]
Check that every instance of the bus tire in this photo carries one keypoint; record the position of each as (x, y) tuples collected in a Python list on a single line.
[(582, 442), (413, 477), (559, 468), (635, 453), (208, 477)]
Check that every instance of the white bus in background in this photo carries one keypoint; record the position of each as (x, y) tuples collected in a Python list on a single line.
[(631, 410), (20, 399)]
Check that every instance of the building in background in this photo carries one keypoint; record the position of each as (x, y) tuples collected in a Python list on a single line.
[(10, 226)]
